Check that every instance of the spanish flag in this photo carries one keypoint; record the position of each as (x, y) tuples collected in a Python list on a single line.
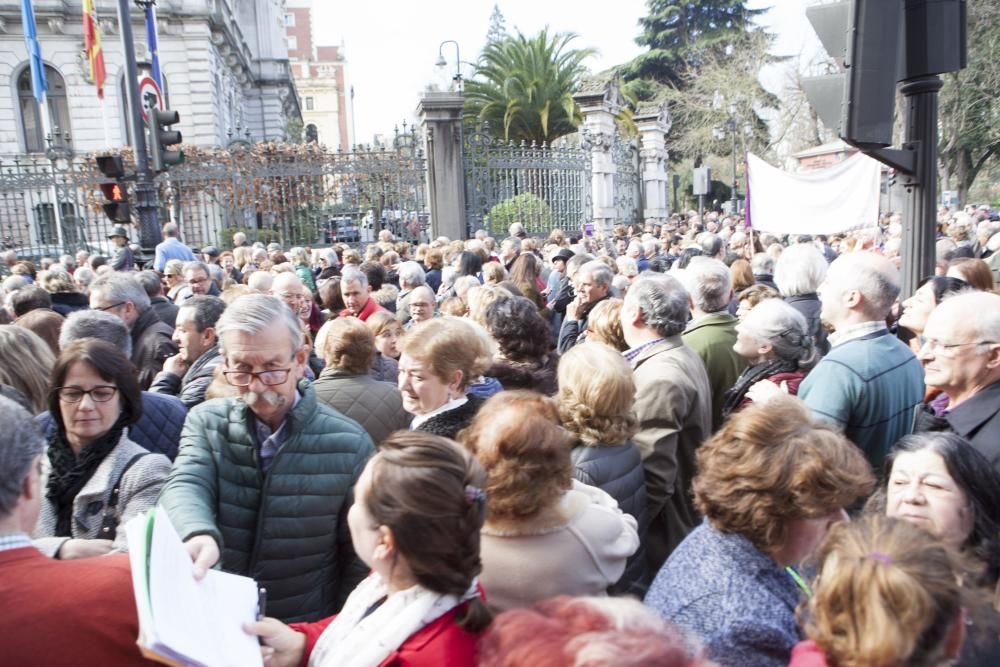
[(92, 45)]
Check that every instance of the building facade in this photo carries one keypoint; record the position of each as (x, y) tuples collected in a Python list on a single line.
[(320, 74), (224, 63)]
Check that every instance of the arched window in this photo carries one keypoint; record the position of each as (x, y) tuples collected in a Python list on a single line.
[(32, 130), (312, 134)]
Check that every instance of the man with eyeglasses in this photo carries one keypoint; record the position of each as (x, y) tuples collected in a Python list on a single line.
[(122, 295), (87, 603), (198, 279), (961, 358), (262, 484), (422, 305), (870, 384)]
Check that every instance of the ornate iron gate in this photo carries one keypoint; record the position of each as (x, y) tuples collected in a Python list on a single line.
[(543, 187)]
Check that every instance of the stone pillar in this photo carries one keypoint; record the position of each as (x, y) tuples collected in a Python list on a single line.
[(600, 101), (441, 120), (653, 123)]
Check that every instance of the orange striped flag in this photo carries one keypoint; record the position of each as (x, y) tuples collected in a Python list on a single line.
[(92, 45)]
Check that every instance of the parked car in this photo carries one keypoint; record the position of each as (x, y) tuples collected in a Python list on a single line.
[(342, 230)]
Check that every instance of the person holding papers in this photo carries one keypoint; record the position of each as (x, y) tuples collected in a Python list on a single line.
[(54, 613), (418, 510), (98, 478), (262, 481)]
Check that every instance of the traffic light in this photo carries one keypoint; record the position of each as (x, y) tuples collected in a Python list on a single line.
[(863, 36), (161, 136), (115, 203), (877, 43)]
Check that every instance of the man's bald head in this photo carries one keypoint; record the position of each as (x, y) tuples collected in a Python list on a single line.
[(873, 278), (974, 312)]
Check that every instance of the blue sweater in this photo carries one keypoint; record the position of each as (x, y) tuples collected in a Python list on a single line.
[(870, 387), (736, 599)]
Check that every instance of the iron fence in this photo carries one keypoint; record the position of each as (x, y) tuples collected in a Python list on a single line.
[(542, 187), (627, 186), (293, 194)]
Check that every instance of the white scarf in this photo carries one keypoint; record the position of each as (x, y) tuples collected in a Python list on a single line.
[(353, 641)]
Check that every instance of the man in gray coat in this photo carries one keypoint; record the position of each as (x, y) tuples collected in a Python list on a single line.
[(673, 402), (189, 373), (263, 482)]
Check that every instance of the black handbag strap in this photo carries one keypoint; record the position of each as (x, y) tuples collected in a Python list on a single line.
[(109, 524)]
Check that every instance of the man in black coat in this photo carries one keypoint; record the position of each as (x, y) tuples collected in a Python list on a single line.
[(961, 358)]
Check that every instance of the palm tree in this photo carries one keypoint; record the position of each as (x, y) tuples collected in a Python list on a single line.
[(523, 87)]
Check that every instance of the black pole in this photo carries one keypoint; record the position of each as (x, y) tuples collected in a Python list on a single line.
[(920, 221), (732, 129), (147, 200)]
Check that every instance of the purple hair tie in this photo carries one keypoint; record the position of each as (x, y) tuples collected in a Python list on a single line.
[(880, 557), (473, 494)]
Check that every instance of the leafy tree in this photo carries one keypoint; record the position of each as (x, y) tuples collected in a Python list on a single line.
[(969, 111), (681, 35), (523, 87), (703, 59), (529, 209), (498, 26)]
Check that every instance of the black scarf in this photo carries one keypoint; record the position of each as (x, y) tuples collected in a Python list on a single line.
[(70, 473), (749, 377)]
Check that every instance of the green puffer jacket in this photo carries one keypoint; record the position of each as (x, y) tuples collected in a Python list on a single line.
[(287, 529)]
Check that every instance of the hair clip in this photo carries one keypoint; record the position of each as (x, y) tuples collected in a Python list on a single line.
[(880, 557), (473, 494)]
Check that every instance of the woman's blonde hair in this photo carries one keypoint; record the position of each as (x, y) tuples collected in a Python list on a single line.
[(493, 273), (596, 395), (773, 463), (604, 324), (479, 298), (379, 322), (887, 594), (449, 344), (25, 363)]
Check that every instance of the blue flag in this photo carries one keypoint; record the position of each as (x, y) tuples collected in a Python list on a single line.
[(154, 45), (38, 83)]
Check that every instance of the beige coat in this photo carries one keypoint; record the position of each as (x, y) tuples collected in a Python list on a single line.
[(578, 547), (673, 401)]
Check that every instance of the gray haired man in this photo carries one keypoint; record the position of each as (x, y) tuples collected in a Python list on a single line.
[(123, 296), (673, 403), (263, 481)]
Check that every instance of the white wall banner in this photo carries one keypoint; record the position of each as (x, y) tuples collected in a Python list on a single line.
[(826, 201)]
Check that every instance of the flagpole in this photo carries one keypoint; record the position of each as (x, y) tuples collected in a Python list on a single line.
[(104, 122)]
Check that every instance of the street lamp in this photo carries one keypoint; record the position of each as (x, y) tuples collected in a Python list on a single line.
[(442, 63), (719, 134)]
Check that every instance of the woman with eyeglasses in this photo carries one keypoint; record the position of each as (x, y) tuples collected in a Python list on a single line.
[(98, 478)]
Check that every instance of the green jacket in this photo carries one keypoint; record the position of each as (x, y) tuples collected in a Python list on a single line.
[(713, 337), (287, 529)]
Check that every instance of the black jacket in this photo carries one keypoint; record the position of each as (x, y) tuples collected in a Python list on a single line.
[(151, 345), (192, 387), (617, 470), (976, 419), (165, 310), (448, 424), (65, 303), (809, 305)]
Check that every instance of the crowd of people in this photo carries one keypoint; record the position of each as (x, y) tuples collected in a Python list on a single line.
[(681, 444)]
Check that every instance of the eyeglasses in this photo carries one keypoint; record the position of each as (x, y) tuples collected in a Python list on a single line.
[(936, 346), (421, 304), (244, 378), (197, 281), (100, 394), (287, 296), (114, 305)]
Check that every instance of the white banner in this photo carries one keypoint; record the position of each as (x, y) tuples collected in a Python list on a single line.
[(826, 201)]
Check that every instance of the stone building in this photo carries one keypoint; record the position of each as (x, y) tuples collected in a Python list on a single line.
[(320, 74), (225, 67)]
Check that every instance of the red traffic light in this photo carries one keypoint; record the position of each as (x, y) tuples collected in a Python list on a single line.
[(112, 192)]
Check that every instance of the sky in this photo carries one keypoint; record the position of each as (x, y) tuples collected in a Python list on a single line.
[(391, 47)]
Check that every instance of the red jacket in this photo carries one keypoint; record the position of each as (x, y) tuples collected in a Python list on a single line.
[(370, 309), (442, 642), (67, 613), (807, 654)]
